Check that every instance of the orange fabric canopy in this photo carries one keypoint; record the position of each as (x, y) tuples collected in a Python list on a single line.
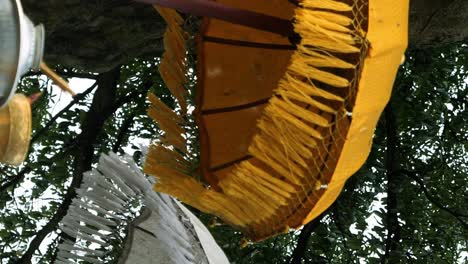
[(283, 127)]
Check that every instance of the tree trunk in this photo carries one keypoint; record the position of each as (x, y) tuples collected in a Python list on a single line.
[(437, 22), (98, 35), (391, 163)]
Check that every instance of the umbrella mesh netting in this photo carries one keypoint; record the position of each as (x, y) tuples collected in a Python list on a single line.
[(294, 141)]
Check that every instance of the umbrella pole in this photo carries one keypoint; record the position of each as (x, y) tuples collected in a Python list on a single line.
[(230, 14)]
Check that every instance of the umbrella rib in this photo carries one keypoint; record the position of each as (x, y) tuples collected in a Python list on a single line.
[(236, 107), (229, 164), (250, 44)]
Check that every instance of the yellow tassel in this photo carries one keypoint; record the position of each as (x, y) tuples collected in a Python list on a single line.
[(268, 190), (283, 187), (174, 140), (320, 59), (169, 122), (168, 158), (289, 82), (224, 207), (161, 107), (338, 33), (303, 98), (174, 83), (280, 155), (300, 112), (298, 66), (280, 113), (255, 199), (171, 70), (168, 125), (172, 66), (169, 15), (326, 4), (284, 146), (327, 16), (244, 243), (269, 198), (300, 141), (319, 19), (274, 165)]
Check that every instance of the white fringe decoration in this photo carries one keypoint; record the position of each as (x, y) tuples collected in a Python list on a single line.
[(101, 204)]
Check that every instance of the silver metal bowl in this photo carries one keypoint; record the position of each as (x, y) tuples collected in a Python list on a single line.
[(21, 47)]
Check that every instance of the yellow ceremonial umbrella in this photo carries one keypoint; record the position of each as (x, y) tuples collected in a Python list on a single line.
[(285, 117)]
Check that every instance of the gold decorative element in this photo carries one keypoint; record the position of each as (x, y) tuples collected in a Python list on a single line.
[(15, 130), (61, 83)]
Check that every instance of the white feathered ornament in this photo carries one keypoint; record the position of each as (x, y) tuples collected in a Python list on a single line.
[(165, 232)]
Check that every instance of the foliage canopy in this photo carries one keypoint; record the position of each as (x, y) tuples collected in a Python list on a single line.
[(408, 204)]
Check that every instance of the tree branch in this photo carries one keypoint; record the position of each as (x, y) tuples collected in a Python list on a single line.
[(20, 176), (12, 182), (391, 164), (126, 125), (102, 108), (341, 229), (299, 251), (433, 200), (130, 119), (81, 75), (75, 100)]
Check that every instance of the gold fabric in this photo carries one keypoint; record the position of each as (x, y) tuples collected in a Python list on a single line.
[(388, 27), (15, 130)]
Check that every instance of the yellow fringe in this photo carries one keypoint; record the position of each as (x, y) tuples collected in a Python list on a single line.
[(288, 128), (301, 142), (165, 161), (326, 4), (279, 112), (302, 98), (169, 15), (173, 63), (338, 19), (297, 67), (164, 109), (260, 194), (321, 60), (326, 20), (299, 111), (173, 132), (281, 187), (173, 82), (167, 125), (290, 83), (168, 158), (269, 193)]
